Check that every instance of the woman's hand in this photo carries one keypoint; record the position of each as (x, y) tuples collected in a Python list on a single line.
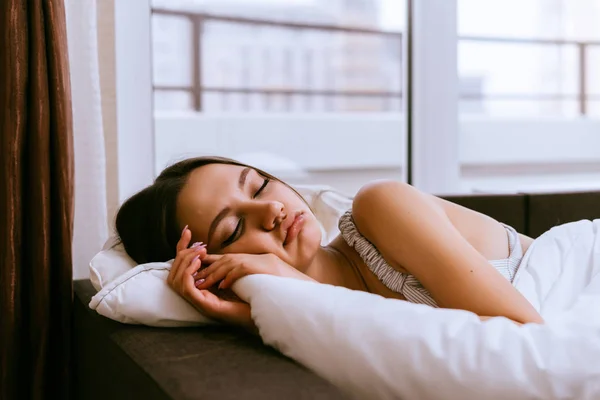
[(228, 268), (186, 263)]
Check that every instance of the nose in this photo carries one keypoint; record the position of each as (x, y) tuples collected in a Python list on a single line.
[(273, 212)]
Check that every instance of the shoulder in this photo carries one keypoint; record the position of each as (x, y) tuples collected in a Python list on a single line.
[(370, 203), (380, 201), (375, 194), (376, 190)]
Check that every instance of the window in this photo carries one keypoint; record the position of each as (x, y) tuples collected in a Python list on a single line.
[(315, 90), (276, 57), (529, 57), (269, 82), (530, 94)]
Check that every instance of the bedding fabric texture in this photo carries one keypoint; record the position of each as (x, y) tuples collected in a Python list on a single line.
[(373, 347)]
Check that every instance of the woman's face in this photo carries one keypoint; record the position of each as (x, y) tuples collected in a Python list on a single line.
[(233, 209)]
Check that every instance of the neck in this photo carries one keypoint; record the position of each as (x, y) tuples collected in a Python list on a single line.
[(335, 264)]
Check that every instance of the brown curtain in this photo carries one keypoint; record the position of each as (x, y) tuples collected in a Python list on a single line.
[(36, 200)]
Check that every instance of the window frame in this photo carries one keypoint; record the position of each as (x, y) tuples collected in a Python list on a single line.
[(134, 99)]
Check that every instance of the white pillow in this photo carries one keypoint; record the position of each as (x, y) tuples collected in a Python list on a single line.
[(140, 295), (378, 348), (110, 263), (328, 205)]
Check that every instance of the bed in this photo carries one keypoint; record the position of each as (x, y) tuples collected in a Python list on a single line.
[(113, 360)]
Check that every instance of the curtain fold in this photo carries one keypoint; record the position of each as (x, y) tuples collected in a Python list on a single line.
[(36, 200)]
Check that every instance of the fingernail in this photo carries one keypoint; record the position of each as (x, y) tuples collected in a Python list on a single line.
[(195, 258), (183, 231), (221, 285), (199, 282), (196, 244), (195, 274)]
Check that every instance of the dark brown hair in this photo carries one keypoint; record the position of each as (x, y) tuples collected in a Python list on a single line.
[(146, 223)]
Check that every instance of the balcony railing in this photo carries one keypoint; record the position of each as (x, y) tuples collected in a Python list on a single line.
[(198, 87)]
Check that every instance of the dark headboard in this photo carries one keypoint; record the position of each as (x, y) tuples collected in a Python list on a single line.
[(533, 214)]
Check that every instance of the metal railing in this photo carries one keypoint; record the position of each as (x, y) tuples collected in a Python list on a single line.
[(197, 87), (582, 97)]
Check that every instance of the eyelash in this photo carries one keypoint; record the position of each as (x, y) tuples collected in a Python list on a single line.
[(233, 237), (264, 185)]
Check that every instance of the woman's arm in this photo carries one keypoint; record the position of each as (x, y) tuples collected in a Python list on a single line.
[(484, 318), (413, 232)]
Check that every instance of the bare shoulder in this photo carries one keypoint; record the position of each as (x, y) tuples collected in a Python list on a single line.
[(372, 210), (381, 192), (381, 201), (367, 201), (374, 199), (375, 193), (377, 202)]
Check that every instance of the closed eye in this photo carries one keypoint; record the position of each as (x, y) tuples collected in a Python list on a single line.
[(237, 232), (264, 185), (239, 228)]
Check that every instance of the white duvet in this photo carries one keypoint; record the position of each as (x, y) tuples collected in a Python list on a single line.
[(378, 348)]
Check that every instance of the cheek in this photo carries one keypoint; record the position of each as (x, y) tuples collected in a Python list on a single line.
[(288, 197), (254, 243)]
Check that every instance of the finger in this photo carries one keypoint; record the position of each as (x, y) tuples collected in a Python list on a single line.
[(185, 258), (231, 277), (182, 244), (209, 267), (211, 258), (184, 240), (189, 271), (191, 255), (195, 264), (181, 255), (216, 272), (215, 276)]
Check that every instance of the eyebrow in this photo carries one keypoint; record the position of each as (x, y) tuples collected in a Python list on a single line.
[(223, 213)]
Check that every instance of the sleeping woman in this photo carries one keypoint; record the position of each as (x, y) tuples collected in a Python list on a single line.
[(221, 220)]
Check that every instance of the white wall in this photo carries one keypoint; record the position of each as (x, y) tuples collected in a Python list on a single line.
[(348, 150)]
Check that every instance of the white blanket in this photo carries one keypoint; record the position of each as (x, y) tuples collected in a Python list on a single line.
[(379, 348), (560, 273)]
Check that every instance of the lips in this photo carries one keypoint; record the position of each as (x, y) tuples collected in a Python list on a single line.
[(293, 228)]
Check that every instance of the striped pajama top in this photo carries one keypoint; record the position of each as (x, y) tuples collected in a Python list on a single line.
[(406, 284)]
